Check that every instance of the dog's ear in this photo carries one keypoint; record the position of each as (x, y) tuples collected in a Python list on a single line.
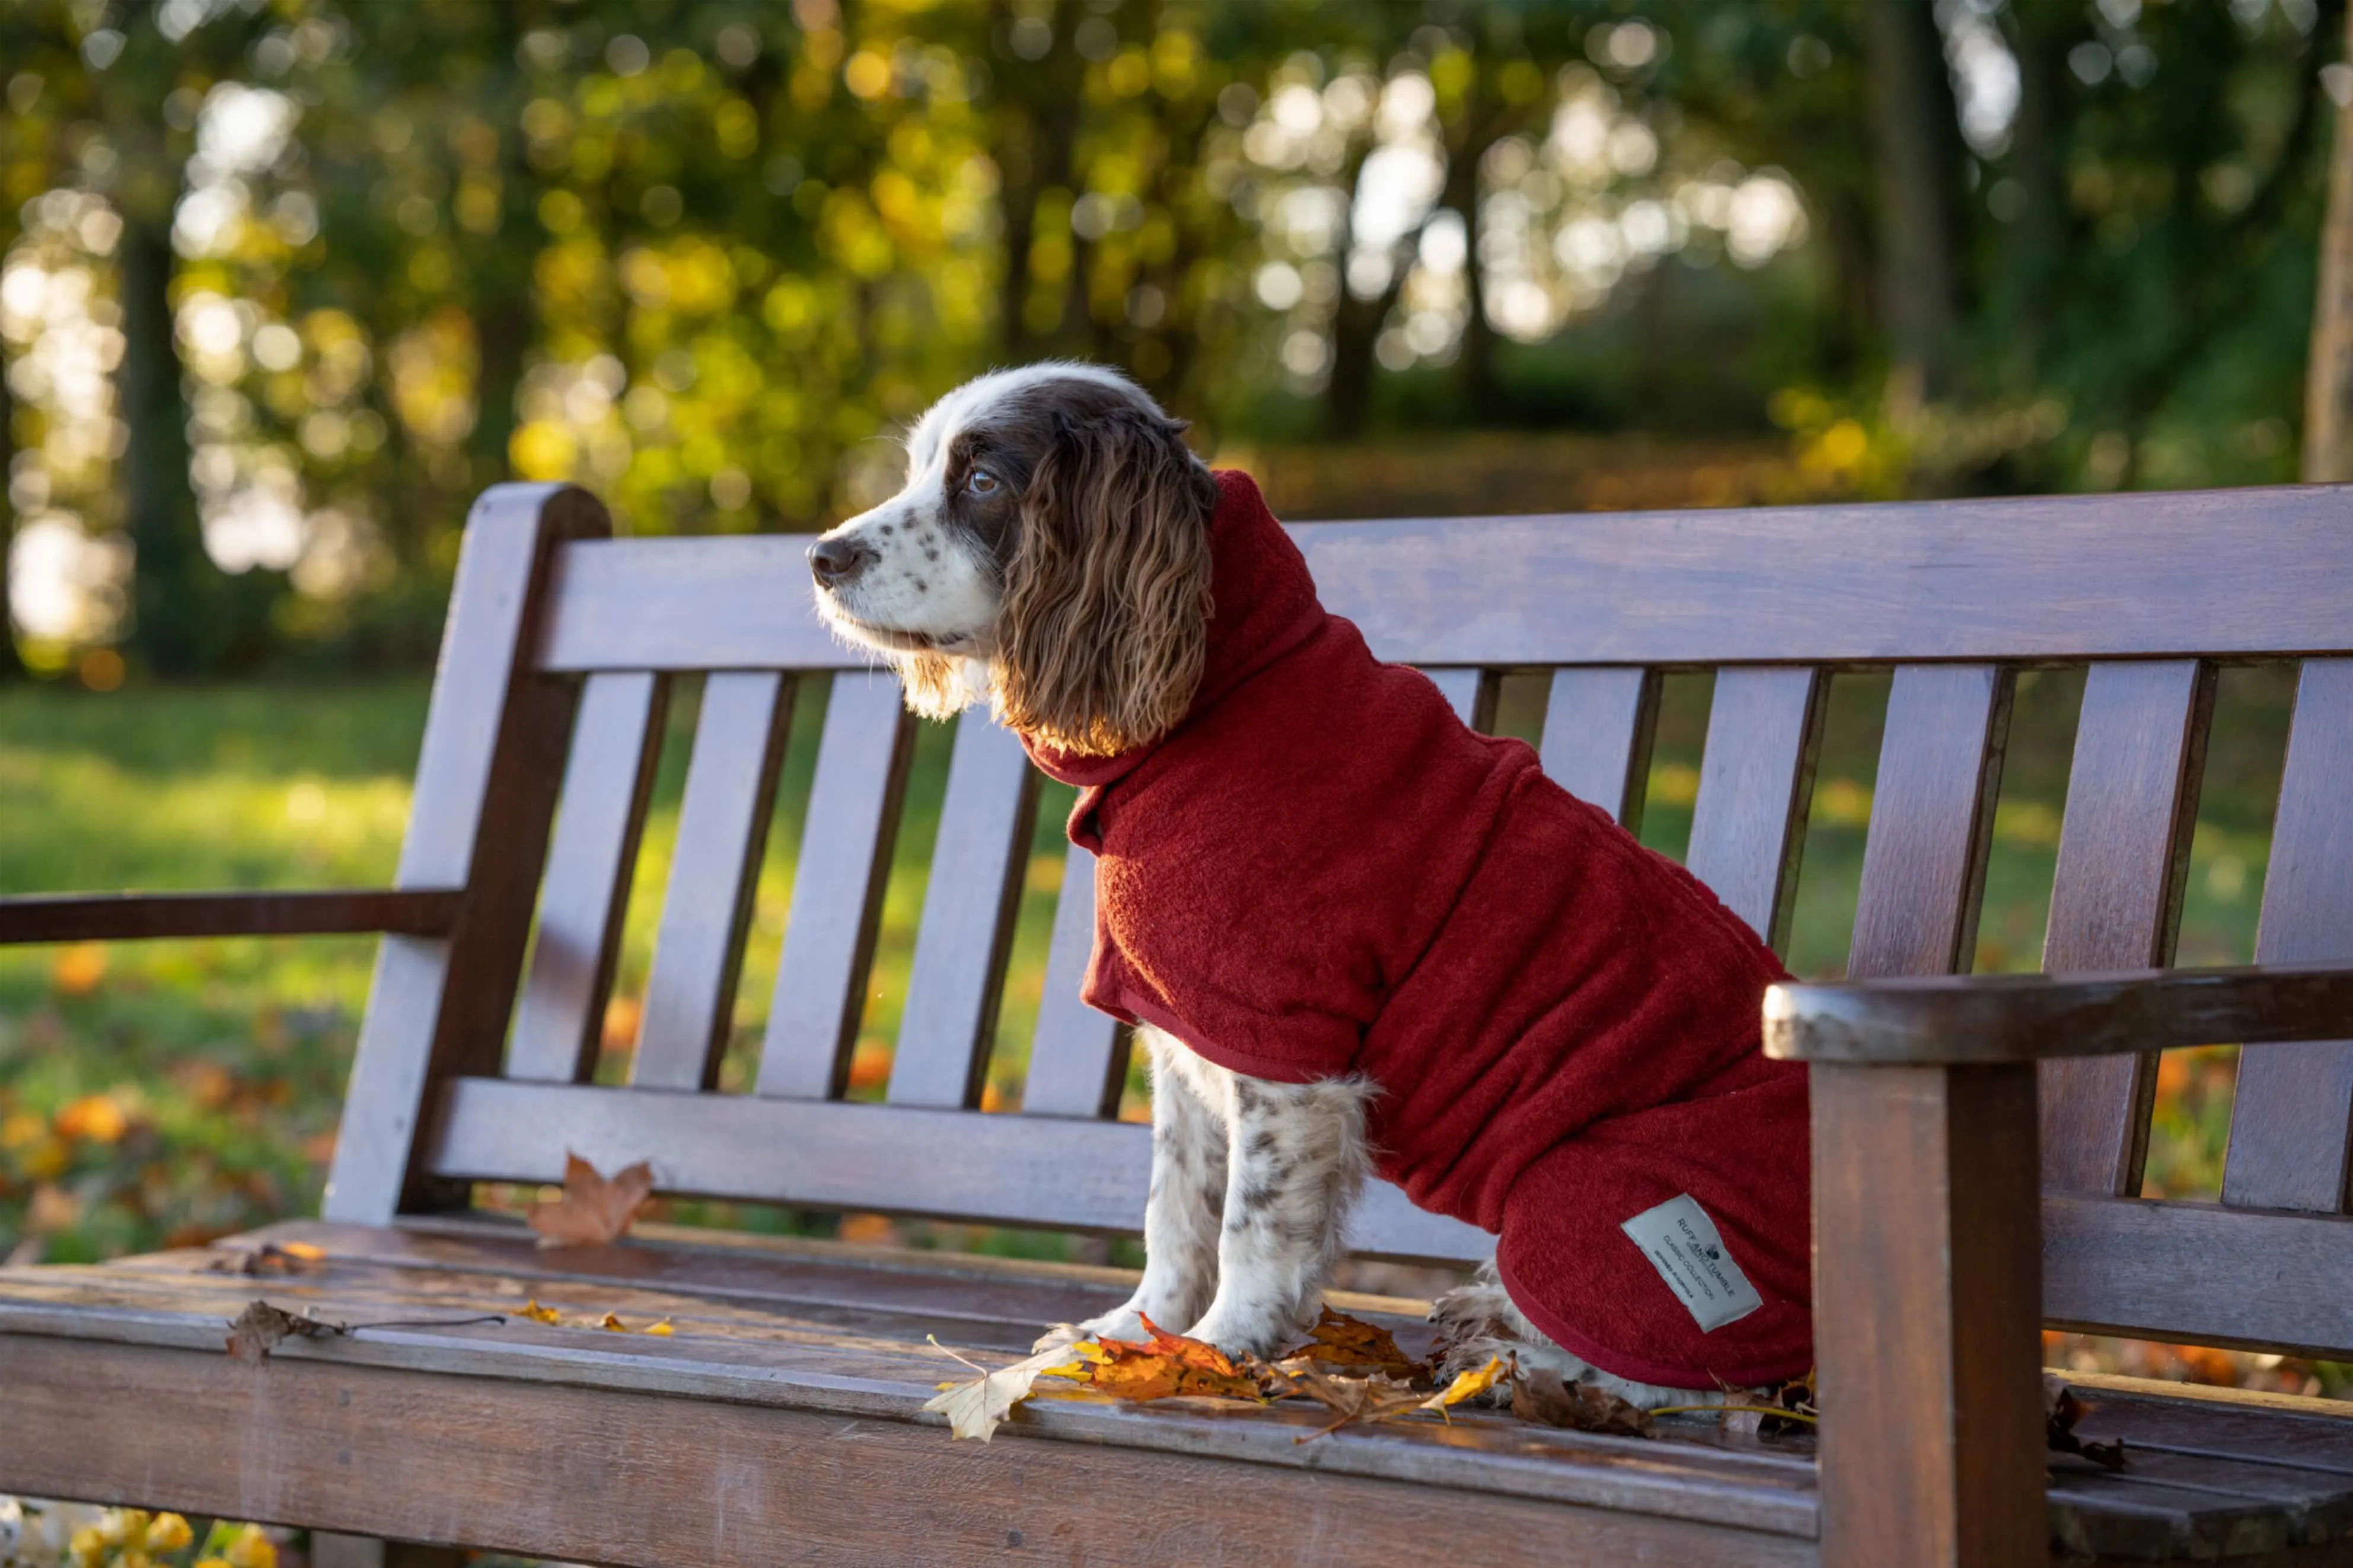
[(1103, 631)]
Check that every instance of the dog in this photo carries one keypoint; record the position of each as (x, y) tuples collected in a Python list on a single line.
[(1352, 934)]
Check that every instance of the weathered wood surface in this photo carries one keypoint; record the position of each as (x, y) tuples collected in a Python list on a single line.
[(837, 885), (1756, 788), (2198, 1272), (134, 917), (1599, 724), (486, 774), (2116, 897), (616, 742), (645, 1479), (2292, 1109), (806, 1330), (1989, 1019), (945, 1163), (2227, 573)]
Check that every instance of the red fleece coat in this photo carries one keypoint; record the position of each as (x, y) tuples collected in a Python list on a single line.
[(1322, 871)]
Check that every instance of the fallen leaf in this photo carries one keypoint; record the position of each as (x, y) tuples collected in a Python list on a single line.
[(662, 1330), (977, 1409), (2062, 1409), (1343, 1342), (256, 1331), (1539, 1394), (270, 1257), (1469, 1386), (1354, 1400), (613, 1325), (539, 1314), (100, 1119), (595, 1209), (1167, 1365)]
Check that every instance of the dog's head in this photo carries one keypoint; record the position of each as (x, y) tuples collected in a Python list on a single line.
[(1053, 530)]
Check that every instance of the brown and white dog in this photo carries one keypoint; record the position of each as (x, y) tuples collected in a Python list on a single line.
[(1049, 555)]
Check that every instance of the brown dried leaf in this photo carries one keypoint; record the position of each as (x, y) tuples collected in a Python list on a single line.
[(1354, 1400), (595, 1209), (1539, 1394), (270, 1257), (256, 1331), (1340, 1341)]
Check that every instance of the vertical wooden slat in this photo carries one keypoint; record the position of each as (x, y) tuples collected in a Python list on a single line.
[(2294, 1102), (2116, 900), (714, 869), (1598, 727), (615, 745), (1469, 692), (968, 928), (486, 781), (1078, 1057), (1923, 860), (837, 887), (1755, 785), (1927, 1312)]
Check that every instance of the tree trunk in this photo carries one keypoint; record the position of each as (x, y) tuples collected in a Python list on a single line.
[(2328, 376), (501, 262), (11, 665), (176, 594), (1918, 155), (2037, 248)]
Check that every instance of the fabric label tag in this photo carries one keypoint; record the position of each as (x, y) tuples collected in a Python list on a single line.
[(1683, 1245)]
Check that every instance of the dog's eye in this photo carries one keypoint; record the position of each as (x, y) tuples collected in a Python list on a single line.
[(982, 482)]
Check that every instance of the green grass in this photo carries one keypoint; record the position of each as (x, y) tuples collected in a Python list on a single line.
[(227, 1060)]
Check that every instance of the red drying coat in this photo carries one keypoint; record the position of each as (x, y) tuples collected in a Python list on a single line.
[(1323, 871)]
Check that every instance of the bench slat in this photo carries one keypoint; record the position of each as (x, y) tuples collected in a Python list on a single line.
[(486, 779), (723, 824), (2294, 1102), (616, 742), (1598, 727), (945, 1163), (1755, 784), (958, 973), (1923, 860), (2116, 899), (1078, 1058), (837, 887), (2049, 577)]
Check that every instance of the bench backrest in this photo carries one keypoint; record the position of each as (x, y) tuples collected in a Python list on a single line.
[(561, 643)]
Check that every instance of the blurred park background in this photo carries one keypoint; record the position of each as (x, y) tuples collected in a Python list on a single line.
[(283, 283)]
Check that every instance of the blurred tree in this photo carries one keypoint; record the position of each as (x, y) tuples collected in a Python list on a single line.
[(1916, 135), (2328, 388)]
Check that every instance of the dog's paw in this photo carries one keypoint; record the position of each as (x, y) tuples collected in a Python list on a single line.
[(1057, 1336), (1239, 1335)]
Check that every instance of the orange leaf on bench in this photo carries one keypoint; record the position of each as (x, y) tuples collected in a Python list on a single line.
[(595, 1209)]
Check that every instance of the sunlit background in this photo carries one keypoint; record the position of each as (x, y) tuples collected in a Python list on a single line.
[(283, 283)]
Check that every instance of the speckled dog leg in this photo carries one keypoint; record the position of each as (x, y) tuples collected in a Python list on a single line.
[(1295, 1162)]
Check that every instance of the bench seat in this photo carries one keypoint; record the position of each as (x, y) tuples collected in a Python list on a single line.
[(795, 1365)]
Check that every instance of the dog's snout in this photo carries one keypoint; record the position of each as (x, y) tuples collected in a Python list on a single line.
[(834, 562)]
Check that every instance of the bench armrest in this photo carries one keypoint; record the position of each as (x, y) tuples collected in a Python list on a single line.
[(1961, 1020), (122, 917)]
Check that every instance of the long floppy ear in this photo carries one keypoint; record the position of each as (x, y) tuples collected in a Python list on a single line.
[(1103, 628)]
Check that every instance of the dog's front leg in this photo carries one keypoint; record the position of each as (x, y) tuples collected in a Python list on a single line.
[(1295, 1160), (1180, 1216)]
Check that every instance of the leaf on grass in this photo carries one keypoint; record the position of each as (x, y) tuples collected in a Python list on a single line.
[(976, 1409), (256, 1331), (595, 1209), (1341, 1340), (1353, 1401), (1468, 1386), (539, 1314), (2062, 1409), (1539, 1394)]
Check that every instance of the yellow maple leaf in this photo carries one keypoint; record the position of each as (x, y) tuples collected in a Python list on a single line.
[(1469, 1386), (539, 1314), (662, 1328)]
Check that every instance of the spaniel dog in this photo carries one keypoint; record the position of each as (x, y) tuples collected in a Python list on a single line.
[(1352, 934)]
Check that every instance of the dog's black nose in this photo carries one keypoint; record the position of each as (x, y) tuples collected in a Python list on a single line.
[(834, 562)]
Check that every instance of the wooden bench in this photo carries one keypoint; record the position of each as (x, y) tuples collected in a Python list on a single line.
[(780, 1423)]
